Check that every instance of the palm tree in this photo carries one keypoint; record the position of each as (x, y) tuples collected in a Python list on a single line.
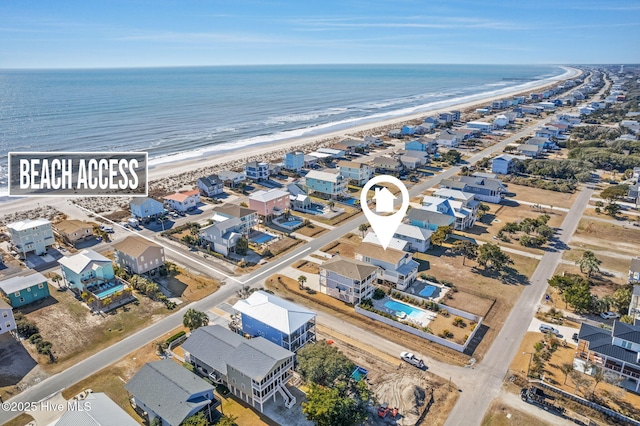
[(363, 228), (331, 204), (566, 368), (193, 319), (589, 263), (301, 280), (56, 279)]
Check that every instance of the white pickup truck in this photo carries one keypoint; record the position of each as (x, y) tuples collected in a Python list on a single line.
[(412, 359)]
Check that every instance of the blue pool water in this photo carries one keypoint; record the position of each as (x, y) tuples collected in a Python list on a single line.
[(397, 306), (427, 291), (349, 201), (291, 223), (263, 238), (359, 373), (109, 292)]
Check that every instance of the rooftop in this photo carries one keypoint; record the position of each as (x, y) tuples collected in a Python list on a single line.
[(79, 262), (350, 268), (326, 175), (270, 195), (635, 265), (137, 201), (352, 164), (104, 412), (181, 196), (431, 217), (134, 245), (233, 210), (27, 224), (375, 251), (13, 284), (277, 313), (72, 225)]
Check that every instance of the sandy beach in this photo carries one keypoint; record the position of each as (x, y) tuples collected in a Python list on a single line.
[(178, 175)]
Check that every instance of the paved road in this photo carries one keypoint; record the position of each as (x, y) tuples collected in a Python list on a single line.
[(109, 355)]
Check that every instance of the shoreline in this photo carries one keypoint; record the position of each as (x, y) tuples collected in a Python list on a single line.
[(182, 174), (159, 173)]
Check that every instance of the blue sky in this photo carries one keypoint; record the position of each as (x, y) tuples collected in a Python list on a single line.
[(135, 33)]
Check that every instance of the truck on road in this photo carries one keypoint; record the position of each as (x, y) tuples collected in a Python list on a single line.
[(412, 359)]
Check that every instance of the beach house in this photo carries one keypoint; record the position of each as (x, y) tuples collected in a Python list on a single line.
[(373, 140), (223, 235), (231, 179), (254, 370), (248, 217), (7, 321), (529, 150), (31, 236), (387, 165), (210, 186), (465, 217), (634, 305), (298, 198), (616, 351), (505, 164), (407, 238), (294, 161), (269, 204), (167, 391), (430, 220), (348, 280), (483, 126), (634, 270), (138, 255), (103, 412), (284, 323), (449, 116), (257, 171), (328, 182), (429, 146), (447, 139), (485, 189), (398, 267), (86, 268), (144, 208), (24, 289), (501, 120), (359, 173), (73, 231), (183, 201)]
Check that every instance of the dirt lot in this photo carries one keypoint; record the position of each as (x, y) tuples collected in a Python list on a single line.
[(188, 285), (399, 384), (457, 334), (601, 285), (497, 416), (283, 245), (595, 235), (468, 302), (307, 266), (83, 333), (542, 196), (443, 265), (486, 228), (312, 230), (345, 246)]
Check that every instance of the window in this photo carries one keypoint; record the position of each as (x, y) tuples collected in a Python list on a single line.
[(40, 285), (7, 324), (22, 300), (16, 294), (29, 290), (4, 315)]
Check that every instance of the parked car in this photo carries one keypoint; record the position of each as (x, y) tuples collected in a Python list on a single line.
[(575, 337), (609, 315), (412, 359), (544, 328)]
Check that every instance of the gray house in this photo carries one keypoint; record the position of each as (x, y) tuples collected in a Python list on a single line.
[(347, 279), (168, 391), (255, 370), (210, 186)]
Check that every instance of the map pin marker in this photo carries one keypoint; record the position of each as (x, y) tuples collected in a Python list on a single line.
[(384, 226)]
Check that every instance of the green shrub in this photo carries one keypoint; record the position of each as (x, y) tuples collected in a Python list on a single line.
[(176, 336)]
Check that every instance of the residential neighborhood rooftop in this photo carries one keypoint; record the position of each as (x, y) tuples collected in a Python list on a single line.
[(181, 196), (134, 245), (18, 283), (78, 262), (275, 312), (234, 210), (27, 224), (266, 196), (375, 251), (350, 268)]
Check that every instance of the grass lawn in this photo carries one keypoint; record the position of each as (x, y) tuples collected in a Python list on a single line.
[(311, 230), (594, 235), (84, 334), (542, 196), (504, 290), (497, 416)]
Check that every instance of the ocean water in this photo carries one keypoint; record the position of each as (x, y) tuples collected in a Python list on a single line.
[(176, 113)]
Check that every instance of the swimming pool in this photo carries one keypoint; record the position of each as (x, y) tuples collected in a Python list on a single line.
[(349, 201), (359, 373), (262, 238), (108, 292), (291, 223), (410, 311), (427, 291)]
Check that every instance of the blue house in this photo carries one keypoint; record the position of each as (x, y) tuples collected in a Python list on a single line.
[(408, 130), (418, 145), (430, 220), (294, 160), (277, 320), (145, 208), (86, 268), (22, 290), (504, 164)]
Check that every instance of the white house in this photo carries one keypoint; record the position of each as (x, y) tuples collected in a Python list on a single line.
[(447, 139), (232, 179), (504, 164), (398, 267), (464, 211), (501, 120), (31, 236), (183, 201), (483, 126)]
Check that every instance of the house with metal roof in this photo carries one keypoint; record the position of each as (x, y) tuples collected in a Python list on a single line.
[(146, 208), (269, 204), (255, 370), (86, 268), (279, 321), (348, 280), (529, 150), (298, 198), (616, 351), (24, 289), (138, 255), (328, 182), (210, 186), (31, 236), (398, 267), (168, 391), (7, 322), (103, 412)]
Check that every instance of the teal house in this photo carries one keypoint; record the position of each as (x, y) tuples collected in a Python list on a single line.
[(86, 269), (22, 290)]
